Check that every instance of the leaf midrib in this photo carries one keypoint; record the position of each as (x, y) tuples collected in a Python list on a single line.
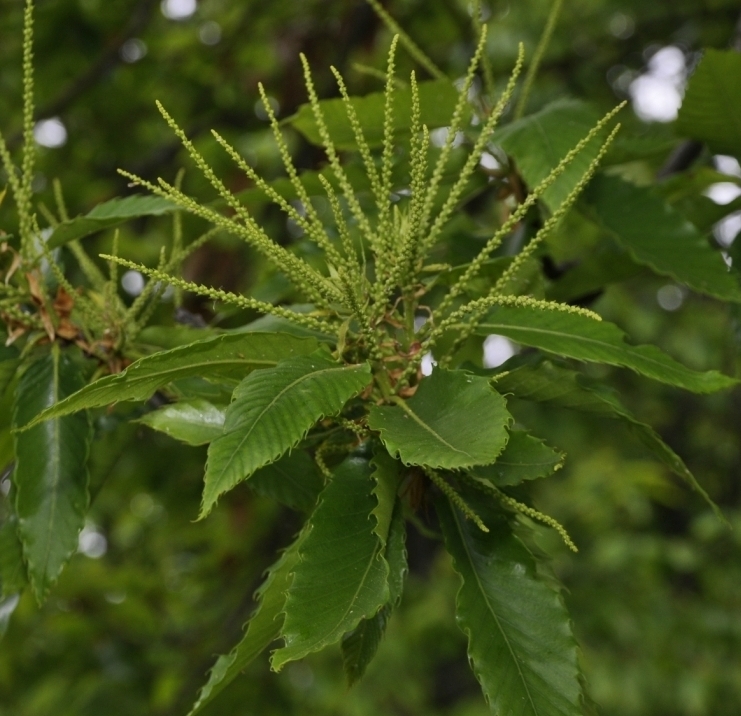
[(272, 403), (464, 542), (402, 404), (585, 339)]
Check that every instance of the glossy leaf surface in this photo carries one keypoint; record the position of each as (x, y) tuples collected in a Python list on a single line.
[(50, 477), (519, 635), (342, 575), (195, 422), (658, 236), (579, 337), (454, 420), (525, 458), (271, 412), (227, 356)]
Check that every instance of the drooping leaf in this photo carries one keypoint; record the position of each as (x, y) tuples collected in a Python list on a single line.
[(262, 628), (271, 412), (195, 422), (583, 338), (524, 458), (519, 635), (547, 382), (711, 107), (454, 420), (396, 554), (658, 236), (12, 570), (437, 100), (342, 575), (109, 214), (50, 476), (361, 644), (228, 356), (539, 141), (293, 481)]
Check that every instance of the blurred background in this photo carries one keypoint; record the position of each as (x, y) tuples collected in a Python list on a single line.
[(140, 613)]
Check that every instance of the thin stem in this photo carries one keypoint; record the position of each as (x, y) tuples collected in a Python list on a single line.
[(532, 71)]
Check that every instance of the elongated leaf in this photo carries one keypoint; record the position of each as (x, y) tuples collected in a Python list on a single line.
[(226, 356), (9, 362), (293, 481), (271, 412), (50, 476), (361, 644), (341, 576), (524, 458), (437, 102), (105, 216), (545, 381), (579, 337), (519, 635), (263, 628), (712, 103), (539, 141), (658, 236), (453, 420), (195, 422), (12, 570)]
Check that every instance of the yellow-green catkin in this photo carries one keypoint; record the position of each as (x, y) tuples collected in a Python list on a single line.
[(447, 489)]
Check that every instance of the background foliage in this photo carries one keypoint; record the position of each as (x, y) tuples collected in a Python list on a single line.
[(136, 616)]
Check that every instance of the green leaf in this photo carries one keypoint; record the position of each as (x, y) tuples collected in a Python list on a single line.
[(360, 645), (270, 414), (519, 634), (195, 422), (263, 628), (437, 102), (576, 336), (546, 382), (524, 458), (341, 576), (50, 476), (12, 570), (9, 362), (658, 236), (396, 554), (454, 420), (109, 214), (221, 357), (711, 109), (293, 481), (540, 141)]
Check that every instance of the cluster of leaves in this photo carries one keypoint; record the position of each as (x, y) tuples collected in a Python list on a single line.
[(324, 404)]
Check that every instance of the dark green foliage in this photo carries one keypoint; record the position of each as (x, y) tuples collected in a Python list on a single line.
[(313, 332)]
